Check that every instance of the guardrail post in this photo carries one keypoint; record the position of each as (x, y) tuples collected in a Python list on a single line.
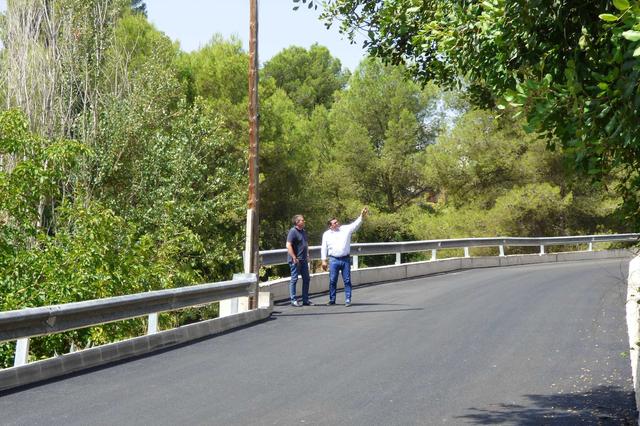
[(433, 254), (243, 304), (501, 250), (264, 299), (541, 249), (466, 252), (591, 246), (355, 263), (228, 307), (232, 306), (22, 352), (398, 258), (152, 323), (235, 305)]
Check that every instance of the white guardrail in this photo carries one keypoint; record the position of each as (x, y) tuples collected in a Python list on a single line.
[(446, 262), (278, 257), (21, 325)]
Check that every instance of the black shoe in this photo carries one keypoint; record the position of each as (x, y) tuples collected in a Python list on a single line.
[(309, 303), (331, 302), (296, 303)]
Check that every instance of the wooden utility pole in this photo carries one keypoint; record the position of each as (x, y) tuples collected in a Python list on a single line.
[(251, 264)]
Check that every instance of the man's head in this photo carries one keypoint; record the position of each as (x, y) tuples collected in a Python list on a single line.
[(298, 221), (334, 224)]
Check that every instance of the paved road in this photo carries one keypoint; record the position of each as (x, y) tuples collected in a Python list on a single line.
[(526, 345)]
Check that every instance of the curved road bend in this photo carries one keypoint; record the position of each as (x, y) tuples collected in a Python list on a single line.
[(524, 345)]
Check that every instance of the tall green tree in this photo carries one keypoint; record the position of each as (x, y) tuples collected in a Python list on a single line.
[(309, 77), (571, 67), (284, 167), (136, 46), (217, 73), (52, 70), (380, 129), (218, 70)]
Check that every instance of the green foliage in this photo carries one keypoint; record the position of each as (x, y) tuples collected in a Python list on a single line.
[(445, 222), (570, 67), (287, 156), (7, 351), (532, 210), (309, 77), (378, 125), (186, 177), (136, 46), (484, 156), (94, 252), (494, 179), (217, 71), (32, 176), (157, 202)]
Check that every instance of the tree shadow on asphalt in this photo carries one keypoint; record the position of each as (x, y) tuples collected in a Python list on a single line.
[(603, 405)]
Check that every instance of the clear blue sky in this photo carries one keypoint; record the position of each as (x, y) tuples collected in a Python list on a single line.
[(194, 22)]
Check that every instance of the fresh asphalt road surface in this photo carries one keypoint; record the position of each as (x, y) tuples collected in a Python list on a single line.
[(524, 345)]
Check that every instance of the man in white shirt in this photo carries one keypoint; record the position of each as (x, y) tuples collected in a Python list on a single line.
[(336, 246)]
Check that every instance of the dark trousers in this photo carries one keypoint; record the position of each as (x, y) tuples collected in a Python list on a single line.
[(299, 269)]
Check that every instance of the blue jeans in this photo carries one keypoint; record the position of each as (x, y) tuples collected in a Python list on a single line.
[(337, 265), (299, 269)]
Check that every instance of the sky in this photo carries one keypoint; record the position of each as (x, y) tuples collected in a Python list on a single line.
[(194, 22)]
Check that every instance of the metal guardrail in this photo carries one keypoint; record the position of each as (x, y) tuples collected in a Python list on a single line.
[(32, 322), (279, 256)]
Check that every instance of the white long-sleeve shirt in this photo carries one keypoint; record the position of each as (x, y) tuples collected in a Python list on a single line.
[(338, 243)]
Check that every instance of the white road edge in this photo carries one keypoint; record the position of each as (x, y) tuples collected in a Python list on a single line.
[(633, 321)]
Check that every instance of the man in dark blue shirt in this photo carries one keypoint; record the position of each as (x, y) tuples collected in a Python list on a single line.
[(298, 258)]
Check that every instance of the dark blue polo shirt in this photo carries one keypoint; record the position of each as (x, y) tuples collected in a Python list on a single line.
[(298, 239)]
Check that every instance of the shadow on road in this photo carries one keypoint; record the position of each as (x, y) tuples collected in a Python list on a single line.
[(340, 310), (604, 405)]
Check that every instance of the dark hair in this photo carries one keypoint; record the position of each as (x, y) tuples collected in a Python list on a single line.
[(296, 218), (330, 220)]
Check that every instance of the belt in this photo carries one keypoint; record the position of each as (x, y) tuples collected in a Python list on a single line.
[(341, 257)]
